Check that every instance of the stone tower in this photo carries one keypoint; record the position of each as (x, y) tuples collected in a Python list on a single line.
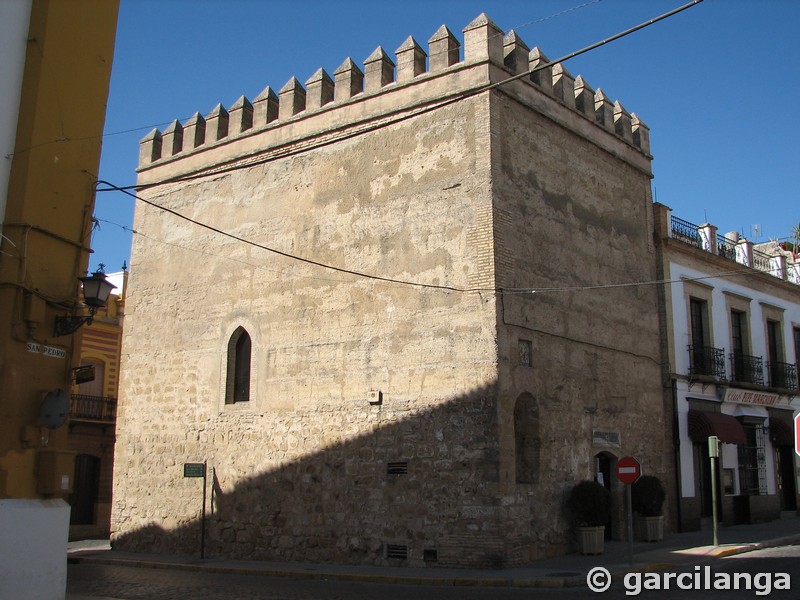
[(384, 306)]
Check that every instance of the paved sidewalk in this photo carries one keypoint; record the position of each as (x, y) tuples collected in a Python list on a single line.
[(691, 548)]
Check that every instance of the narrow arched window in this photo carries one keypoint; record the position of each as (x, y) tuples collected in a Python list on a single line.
[(238, 377)]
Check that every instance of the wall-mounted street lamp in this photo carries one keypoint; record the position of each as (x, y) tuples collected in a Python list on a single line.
[(96, 289)]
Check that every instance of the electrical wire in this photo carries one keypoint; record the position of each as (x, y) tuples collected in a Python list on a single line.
[(151, 238), (292, 256), (493, 290)]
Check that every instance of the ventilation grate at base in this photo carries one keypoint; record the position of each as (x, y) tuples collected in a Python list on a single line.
[(397, 468), (397, 551)]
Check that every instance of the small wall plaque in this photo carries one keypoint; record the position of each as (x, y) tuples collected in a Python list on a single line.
[(605, 439), (194, 469)]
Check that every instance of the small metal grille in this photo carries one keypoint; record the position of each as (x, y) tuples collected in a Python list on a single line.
[(397, 551), (397, 468)]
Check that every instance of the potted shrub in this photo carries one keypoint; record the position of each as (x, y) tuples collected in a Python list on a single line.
[(589, 507), (647, 499)]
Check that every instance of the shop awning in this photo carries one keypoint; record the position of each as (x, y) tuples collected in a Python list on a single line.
[(781, 432), (704, 424)]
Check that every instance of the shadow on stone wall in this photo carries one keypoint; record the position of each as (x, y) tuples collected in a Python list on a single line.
[(414, 490)]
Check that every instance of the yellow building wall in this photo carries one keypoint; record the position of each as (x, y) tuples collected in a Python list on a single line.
[(47, 222)]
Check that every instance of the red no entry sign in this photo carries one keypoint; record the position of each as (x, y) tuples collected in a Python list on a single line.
[(628, 469)]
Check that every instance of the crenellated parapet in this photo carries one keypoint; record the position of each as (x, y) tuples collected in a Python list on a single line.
[(483, 43)]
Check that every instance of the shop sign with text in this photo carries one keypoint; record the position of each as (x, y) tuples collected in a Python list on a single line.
[(750, 397)]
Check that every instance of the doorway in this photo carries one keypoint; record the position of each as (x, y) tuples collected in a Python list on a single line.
[(86, 487), (784, 468), (702, 480), (603, 468)]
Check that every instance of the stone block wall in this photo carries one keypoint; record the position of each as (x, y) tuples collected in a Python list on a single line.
[(574, 258), (365, 230), (302, 467)]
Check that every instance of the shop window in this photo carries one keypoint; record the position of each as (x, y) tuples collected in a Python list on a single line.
[(752, 459)]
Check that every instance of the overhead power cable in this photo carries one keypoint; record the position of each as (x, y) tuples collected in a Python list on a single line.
[(292, 256), (391, 280)]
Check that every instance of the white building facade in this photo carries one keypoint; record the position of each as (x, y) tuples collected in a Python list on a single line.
[(732, 340)]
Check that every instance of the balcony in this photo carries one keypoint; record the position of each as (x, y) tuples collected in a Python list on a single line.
[(706, 361), (747, 369), (93, 409), (782, 376), (777, 263)]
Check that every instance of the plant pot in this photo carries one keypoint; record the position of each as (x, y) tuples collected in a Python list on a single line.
[(591, 540), (651, 529)]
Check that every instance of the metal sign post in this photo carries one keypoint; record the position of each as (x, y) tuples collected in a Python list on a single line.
[(628, 487), (628, 470), (199, 470), (713, 452)]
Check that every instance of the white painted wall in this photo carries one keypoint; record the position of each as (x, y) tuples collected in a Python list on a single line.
[(14, 21), (720, 326), (720, 318), (33, 549)]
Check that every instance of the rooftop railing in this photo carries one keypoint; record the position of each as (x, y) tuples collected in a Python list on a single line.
[(740, 251), (686, 232)]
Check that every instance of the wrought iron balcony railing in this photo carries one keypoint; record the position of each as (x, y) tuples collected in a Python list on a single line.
[(747, 369), (707, 361), (726, 248), (686, 232), (99, 409), (782, 376), (699, 236)]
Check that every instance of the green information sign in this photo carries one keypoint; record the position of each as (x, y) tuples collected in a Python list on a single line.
[(194, 470)]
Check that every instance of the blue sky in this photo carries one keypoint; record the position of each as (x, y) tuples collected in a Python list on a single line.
[(718, 84)]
